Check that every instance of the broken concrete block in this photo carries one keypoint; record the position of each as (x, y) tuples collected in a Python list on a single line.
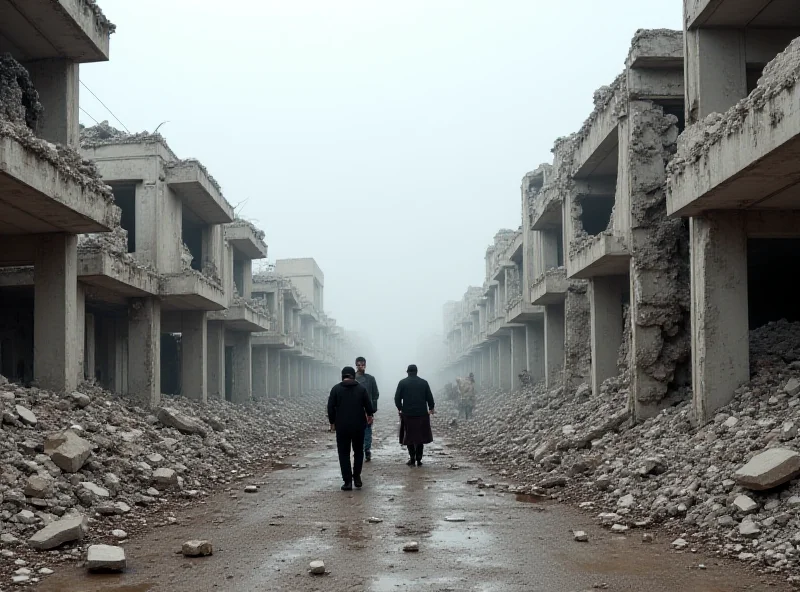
[(580, 536), (165, 477), (183, 423), (251, 489), (749, 529), (317, 568), (68, 450), (769, 469), (411, 547), (745, 504), (95, 489), (80, 400), (105, 558), (38, 486), (792, 387), (26, 416), (197, 548), (59, 532)]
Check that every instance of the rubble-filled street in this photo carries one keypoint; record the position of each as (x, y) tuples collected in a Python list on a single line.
[(473, 533)]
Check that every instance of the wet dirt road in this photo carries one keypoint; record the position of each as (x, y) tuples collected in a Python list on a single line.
[(264, 541)]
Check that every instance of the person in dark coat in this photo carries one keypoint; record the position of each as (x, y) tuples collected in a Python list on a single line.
[(349, 410), (369, 382), (414, 402)]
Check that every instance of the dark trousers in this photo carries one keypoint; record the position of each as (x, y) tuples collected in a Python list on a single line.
[(467, 411), (415, 451), (345, 441)]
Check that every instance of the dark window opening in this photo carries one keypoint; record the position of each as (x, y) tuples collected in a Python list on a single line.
[(228, 373), (125, 198), (6, 359), (676, 108), (596, 213), (770, 261), (238, 276), (170, 363), (753, 74), (271, 302), (192, 236)]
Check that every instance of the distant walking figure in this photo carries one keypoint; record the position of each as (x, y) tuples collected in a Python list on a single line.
[(414, 402), (368, 382), (349, 410)]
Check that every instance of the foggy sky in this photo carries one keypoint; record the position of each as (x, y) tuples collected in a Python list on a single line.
[(387, 140)]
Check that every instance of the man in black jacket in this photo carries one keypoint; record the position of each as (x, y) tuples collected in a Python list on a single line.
[(414, 402), (349, 410), (369, 383)]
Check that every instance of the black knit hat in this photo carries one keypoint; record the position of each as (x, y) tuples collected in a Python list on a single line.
[(348, 371), (412, 369)]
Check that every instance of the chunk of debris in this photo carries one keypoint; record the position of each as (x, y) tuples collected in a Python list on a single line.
[(580, 536), (411, 547), (68, 450), (105, 558), (197, 548), (769, 469), (59, 532), (316, 568)]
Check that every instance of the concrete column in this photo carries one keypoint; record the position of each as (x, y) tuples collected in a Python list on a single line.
[(506, 379), (720, 331), (144, 350), (715, 71), (486, 367), (80, 315), (519, 355), (605, 302), (534, 342), (297, 377), (89, 348), (215, 346), (55, 331), (242, 367), (273, 373), (494, 375), (260, 372), (57, 82), (554, 343), (194, 339), (121, 372), (285, 375)]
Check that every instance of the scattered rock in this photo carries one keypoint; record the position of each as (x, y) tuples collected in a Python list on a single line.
[(68, 450), (59, 532), (25, 415), (580, 536), (455, 518), (197, 548), (251, 489), (411, 547), (773, 467), (316, 568), (105, 558), (183, 423)]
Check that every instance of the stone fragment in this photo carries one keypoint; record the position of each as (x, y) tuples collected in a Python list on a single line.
[(749, 529), (619, 528), (46, 571), (95, 489), (80, 400), (38, 486), (105, 558), (625, 501), (25, 415), (68, 450), (553, 481), (455, 518), (771, 468), (59, 532), (679, 544), (165, 477), (411, 547), (316, 568), (197, 548), (792, 387), (580, 536), (251, 489), (374, 520), (745, 504), (183, 423), (26, 517), (119, 534), (647, 537)]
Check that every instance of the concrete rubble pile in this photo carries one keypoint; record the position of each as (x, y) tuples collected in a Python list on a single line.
[(91, 467), (20, 111), (730, 486)]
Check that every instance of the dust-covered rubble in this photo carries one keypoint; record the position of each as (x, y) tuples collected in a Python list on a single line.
[(92, 468), (664, 472)]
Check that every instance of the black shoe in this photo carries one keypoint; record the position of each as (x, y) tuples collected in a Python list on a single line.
[(367, 456), (357, 482), (419, 463), (347, 486), (410, 462)]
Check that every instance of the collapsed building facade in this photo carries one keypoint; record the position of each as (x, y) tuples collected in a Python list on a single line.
[(122, 263), (652, 244)]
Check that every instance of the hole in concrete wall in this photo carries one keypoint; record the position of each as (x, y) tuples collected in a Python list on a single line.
[(192, 235), (595, 213), (228, 372), (6, 357), (676, 108), (238, 276), (16, 336), (171, 363), (753, 74), (125, 198), (770, 262)]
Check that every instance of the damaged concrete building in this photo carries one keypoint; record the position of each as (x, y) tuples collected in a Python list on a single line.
[(654, 242), (122, 263)]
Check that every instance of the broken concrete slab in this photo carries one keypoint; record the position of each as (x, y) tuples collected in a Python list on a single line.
[(68, 450), (105, 558), (183, 423), (59, 532), (165, 477), (769, 469), (26, 416), (316, 568), (197, 548)]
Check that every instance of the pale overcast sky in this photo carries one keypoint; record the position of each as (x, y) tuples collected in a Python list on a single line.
[(385, 139)]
